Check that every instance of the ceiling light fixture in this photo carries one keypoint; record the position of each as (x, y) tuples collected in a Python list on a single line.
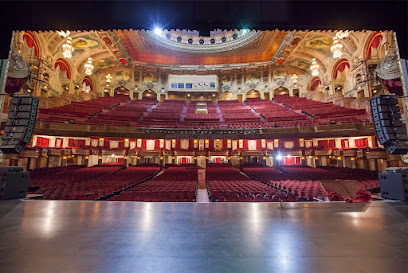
[(108, 78), (336, 48), (315, 68), (342, 34), (89, 67), (67, 48)]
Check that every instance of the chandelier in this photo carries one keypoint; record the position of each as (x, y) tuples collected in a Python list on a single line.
[(89, 67), (295, 79), (108, 78), (336, 48), (314, 67), (67, 48), (342, 34)]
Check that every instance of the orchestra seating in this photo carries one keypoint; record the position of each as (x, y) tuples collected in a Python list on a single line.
[(195, 120), (164, 115), (368, 179), (79, 111), (278, 115), (125, 113), (226, 184), (176, 184), (240, 116), (324, 112), (298, 186), (89, 183)]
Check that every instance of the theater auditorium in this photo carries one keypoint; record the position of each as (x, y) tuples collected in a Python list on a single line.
[(163, 150)]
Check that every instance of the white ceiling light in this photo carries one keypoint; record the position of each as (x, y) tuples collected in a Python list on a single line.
[(314, 67), (342, 34), (89, 67), (336, 48), (108, 78)]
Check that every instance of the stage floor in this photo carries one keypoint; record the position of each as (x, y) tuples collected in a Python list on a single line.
[(89, 236)]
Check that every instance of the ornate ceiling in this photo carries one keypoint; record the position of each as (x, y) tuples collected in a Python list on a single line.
[(146, 46)]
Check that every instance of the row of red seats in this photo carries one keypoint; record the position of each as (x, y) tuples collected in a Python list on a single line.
[(228, 184), (100, 186), (298, 186), (176, 184)]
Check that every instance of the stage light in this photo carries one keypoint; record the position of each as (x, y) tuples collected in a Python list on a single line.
[(279, 157), (245, 31), (157, 30)]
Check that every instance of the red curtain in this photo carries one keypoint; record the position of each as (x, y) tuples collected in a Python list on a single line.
[(88, 82), (315, 83), (293, 160), (394, 86), (344, 143), (360, 143), (13, 85), (31, 42), (43, 142), (120, 160), (332, 143), (373, 43), (63, 65), (323, 143), (71, 142), (81, 142), (340, 66)]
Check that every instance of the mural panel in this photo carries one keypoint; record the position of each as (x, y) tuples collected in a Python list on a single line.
[(84, 43), (103, 64), (149, 77), (122, 76), (300, 64), (321, 44), (252, 78), (279, 75), (227, 80)]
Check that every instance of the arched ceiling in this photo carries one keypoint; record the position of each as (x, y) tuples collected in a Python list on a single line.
[(291, 51)]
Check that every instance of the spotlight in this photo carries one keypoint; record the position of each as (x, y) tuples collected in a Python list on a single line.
[(245, 31), (279, 157), (157, 30)]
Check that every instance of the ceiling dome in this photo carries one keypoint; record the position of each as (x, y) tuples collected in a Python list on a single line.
[(191, 42)]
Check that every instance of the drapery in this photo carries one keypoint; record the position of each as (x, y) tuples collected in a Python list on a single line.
[(394, 86), (373, 43), (340, 66)]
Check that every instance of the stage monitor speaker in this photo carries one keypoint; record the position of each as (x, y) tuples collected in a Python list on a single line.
[(13, 182), (20, 124), (390, 130), (394, 183)]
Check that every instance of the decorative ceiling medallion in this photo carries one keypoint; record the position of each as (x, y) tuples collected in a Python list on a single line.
[(188, 43)]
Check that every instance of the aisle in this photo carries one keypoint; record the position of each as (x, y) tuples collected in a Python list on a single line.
[(202, 194)]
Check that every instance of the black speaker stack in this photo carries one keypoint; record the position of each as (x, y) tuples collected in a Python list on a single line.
[(20, 124), (13, 183), (391, 131)]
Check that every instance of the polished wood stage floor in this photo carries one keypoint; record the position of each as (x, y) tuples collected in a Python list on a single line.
[(89, 236)]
